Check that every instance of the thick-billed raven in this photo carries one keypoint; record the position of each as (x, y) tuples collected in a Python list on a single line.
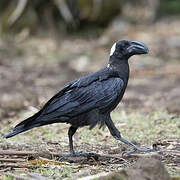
[(89, 100)]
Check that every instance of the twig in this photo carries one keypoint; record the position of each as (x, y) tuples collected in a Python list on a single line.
[(20, 153), (42, 161), (171, 152), (168, 151), (26, 153), (15, 166), (4, 170), (175, 154), (11, 160), (154, 154)]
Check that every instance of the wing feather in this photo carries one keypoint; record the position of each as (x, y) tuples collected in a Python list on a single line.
[(99, 94)]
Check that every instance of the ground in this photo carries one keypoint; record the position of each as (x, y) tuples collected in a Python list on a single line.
[(32, 69)]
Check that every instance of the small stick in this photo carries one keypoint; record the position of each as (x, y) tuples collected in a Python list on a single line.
[(11, 160), (6, 169), (15, 166), (26, 153), (13, 152), (145, 155)]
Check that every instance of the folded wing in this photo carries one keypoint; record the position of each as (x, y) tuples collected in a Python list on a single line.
[(76, 100)]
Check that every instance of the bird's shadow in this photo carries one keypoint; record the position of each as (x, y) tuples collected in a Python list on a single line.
[(89, 158)]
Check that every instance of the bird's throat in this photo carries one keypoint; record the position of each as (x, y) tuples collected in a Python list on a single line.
[(120, 67)]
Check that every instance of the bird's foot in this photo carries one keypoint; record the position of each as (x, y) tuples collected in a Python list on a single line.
[(128, 152), (135, 148)]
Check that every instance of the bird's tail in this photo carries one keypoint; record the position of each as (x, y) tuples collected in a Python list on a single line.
[(24, 126), (20, 129)]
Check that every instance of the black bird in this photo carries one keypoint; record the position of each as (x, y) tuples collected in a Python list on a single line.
[(89, 100)]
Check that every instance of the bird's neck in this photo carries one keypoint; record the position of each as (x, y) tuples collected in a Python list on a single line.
[(120, 67)]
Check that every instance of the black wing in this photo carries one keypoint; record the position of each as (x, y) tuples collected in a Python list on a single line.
[(78, 98)]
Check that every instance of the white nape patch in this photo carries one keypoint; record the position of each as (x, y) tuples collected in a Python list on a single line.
[(113, 49)]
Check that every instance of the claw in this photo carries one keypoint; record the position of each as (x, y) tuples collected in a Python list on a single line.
[(135, 148), (128, 152)]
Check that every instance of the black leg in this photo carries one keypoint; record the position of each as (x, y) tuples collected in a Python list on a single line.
[(71, 132), (116, 134)]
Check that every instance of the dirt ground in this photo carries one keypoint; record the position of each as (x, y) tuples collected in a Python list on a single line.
[(32, 69)]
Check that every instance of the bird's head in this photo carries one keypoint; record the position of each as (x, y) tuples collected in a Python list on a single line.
[(125, 49)]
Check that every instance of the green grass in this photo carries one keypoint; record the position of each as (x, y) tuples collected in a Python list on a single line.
[(145, 129), (134, 126), (55, 171)]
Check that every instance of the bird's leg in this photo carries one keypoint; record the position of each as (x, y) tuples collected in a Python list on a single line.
[(71, 132), (72, 153), (116, 134)]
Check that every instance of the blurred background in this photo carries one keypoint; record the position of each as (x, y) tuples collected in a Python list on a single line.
[(45, 44)]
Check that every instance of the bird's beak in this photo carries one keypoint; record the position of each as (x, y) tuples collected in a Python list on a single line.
[(137, 47)]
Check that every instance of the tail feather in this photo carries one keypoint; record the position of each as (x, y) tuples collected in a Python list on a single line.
[(25, 125), (20, 129), (29, 123), (29, 120)]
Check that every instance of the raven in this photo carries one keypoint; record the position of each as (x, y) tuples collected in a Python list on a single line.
[(89, 100)]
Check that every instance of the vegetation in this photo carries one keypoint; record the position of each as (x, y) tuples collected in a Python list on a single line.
[(70, 15)]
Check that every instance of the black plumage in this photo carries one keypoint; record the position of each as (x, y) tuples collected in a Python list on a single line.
[(89, 100)]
